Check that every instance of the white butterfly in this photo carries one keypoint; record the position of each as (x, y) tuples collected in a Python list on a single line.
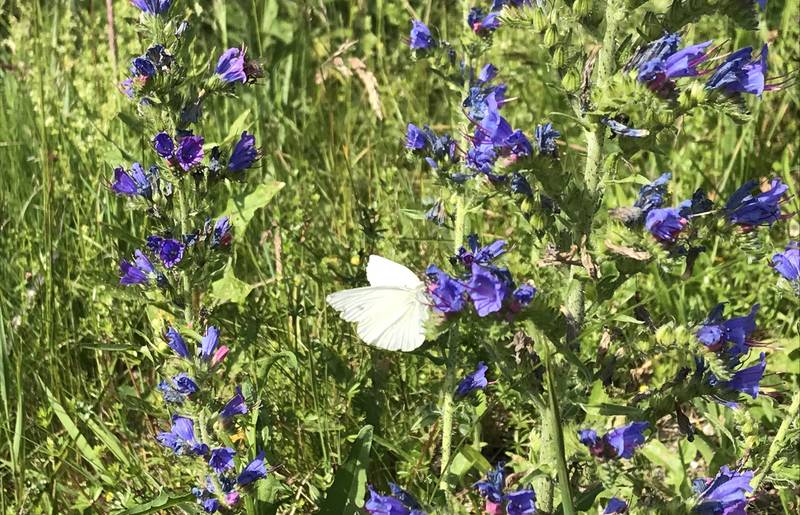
[(391, 312)]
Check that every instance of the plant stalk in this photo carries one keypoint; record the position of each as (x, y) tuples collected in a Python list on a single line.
[(557, 434), (186, 286), (779, 442)]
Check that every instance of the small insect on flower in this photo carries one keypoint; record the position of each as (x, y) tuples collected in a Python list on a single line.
[(473, 381), (724, 494), (390, 313), (420, 37)]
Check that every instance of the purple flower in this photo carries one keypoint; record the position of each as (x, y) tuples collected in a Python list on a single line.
[(416, 139), (745, 209), (747, 380), (169, 250), (487, 73), (446, 293), (482, 99), (420, 37), (614, 506), (221, 459), (154, 7), (425, 142), (788, 263), (725, 494), (399, 502), (235, 406), (487, 290), (481, 159), (699, 203), (738, 74), (658, 73), (244, 153), (142, 67), (163, 144), (492, 487), (230, 66), (254, 470), (524, 295), (483, 25), (665, 224), (545, 137), (189, 152), (221, 235), (406, 498), (176, 343), (137, 182), (521, 502), (617, 443), (208, 343), (178, 389), (138, 272), (716, 332), (181, 438), (473, 381), (651, 196)]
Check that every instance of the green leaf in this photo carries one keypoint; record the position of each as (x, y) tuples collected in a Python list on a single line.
[(241, 208), (346, 494), (229, 288), (157, 505)]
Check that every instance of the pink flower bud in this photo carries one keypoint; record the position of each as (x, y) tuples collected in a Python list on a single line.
[(219, 355)]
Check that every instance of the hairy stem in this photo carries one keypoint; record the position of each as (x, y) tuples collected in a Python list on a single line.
[(557, 434), (186, 286), (780, 440)]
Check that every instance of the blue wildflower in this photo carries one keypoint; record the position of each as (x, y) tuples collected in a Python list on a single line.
[(231, 66), (399, 502), (446, 292), (208, 344), (189, 152), (154, 7), (482, 98), (665, 224), (244, 153), (657, 50), (254, 470), (178, 389), (420, 37), (221, 459), (235, 406), (715, 332), (142, 67), (169, 250), (698, 204), (483, 25), (137, 182), (617, 443), (487, 289), (521, 502), (138, 272), (745, 209), (181, 438), (725, 494), (498, 4), (475, 380), (524, 295), (738, 74), (788, 263), (176, 343), (406, 498), (746, 380), (492, 487), (545, 137), (416, 138), (425, 142), (163, 145), (487, 73), (615, 506), (658, 73)]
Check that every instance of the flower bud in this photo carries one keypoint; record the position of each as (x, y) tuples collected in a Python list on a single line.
[(582, 7), (551, 36), (539, 20), (571, 80), (558, 58)]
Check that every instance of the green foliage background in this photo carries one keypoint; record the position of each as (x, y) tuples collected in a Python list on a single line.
[(77, 362)]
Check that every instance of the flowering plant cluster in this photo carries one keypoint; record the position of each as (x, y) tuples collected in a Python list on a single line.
[(176, 262), (484, 152)]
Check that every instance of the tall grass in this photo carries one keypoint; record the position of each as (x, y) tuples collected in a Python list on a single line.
[(76, 361)]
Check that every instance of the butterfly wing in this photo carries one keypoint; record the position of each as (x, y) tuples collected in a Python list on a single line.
[(385, 272), (387, 317)]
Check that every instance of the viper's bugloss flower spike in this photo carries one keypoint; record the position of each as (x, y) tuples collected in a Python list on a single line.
[(189, 152), (221, 459), (169, 250), (208, 344), (164, 145), (521, 502), (545, 137), (231, 66), (615, 506), (738, 74), (665, 224), (138, 272), (481, 255), (763, 208), (446, 292), (181, 438), (620, 442), (724, 494), (420, 37), (154, 7), (475, 380), (729, 336), (176, 342), (787, 263), (244, 153), (254, 470), (235, 406)]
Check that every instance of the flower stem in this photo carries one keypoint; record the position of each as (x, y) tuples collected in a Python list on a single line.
[(557, 435), (186, 286), (780, 441)]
